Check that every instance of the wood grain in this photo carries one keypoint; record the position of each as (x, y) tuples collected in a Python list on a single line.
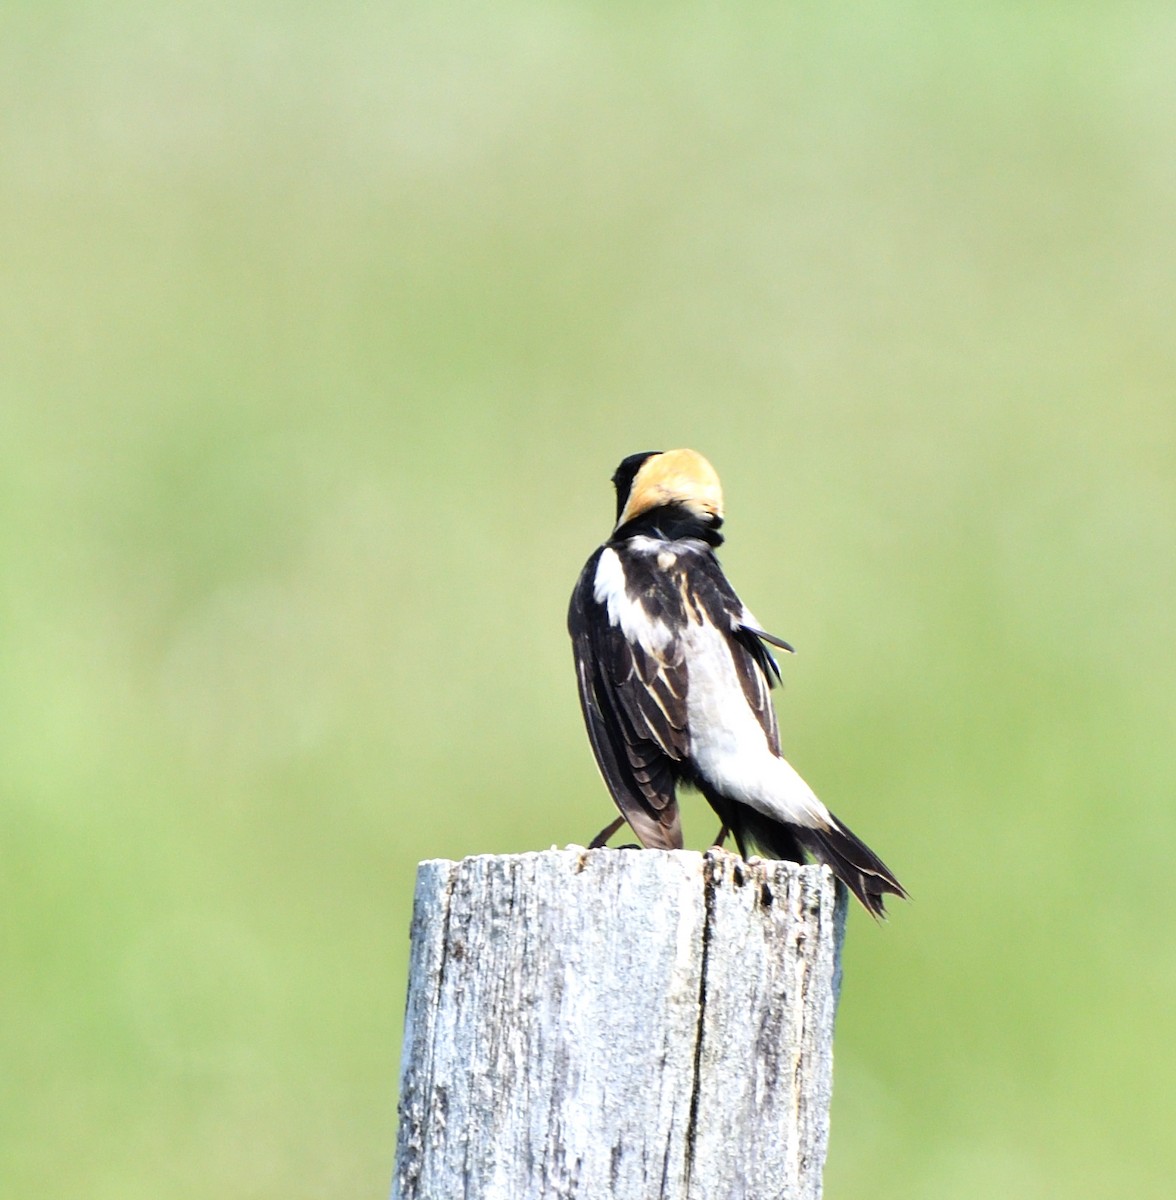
[(618, 1025)]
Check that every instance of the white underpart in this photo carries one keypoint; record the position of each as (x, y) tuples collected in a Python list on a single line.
[(727, 742), (652, 635)]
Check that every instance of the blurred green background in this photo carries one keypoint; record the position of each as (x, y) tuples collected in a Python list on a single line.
[(321, 331)]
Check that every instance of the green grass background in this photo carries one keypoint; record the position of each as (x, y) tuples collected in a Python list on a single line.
[(321, 330)]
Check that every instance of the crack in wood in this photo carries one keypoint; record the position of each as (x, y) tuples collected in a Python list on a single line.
[(708, 892)]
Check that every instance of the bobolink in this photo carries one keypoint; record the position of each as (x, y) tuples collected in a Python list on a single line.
[(675, 675)]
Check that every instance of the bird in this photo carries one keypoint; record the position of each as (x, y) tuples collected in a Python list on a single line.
[(675, 675)]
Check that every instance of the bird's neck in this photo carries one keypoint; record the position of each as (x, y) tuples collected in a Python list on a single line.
[(670, 523)]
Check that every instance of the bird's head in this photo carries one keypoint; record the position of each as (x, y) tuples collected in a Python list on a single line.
[(676, 492)]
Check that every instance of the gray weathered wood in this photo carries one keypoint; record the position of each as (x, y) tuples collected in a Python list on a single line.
[(618, 1025)]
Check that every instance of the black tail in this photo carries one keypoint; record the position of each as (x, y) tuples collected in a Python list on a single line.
[(853, 862)]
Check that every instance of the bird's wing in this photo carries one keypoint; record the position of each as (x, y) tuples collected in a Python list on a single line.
[(633, 694), (755, 665)]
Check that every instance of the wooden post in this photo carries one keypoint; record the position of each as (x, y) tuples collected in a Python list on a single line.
[(618, 1025)]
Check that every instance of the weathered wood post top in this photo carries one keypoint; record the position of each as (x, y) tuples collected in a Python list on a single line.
[(618, 1025)]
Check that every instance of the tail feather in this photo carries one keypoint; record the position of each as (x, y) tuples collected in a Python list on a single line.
[(854, 863), (850, 859)]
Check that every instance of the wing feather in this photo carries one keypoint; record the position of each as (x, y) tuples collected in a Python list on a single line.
[(758, 671), (633, 685), (634, 707)]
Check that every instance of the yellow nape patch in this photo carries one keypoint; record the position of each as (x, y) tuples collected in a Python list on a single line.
[(675, 477)]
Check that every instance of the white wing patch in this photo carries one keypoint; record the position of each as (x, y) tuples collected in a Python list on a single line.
[(728, 745), (639, 629)]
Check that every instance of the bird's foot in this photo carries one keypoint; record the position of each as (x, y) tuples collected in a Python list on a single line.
[(602, 837)]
